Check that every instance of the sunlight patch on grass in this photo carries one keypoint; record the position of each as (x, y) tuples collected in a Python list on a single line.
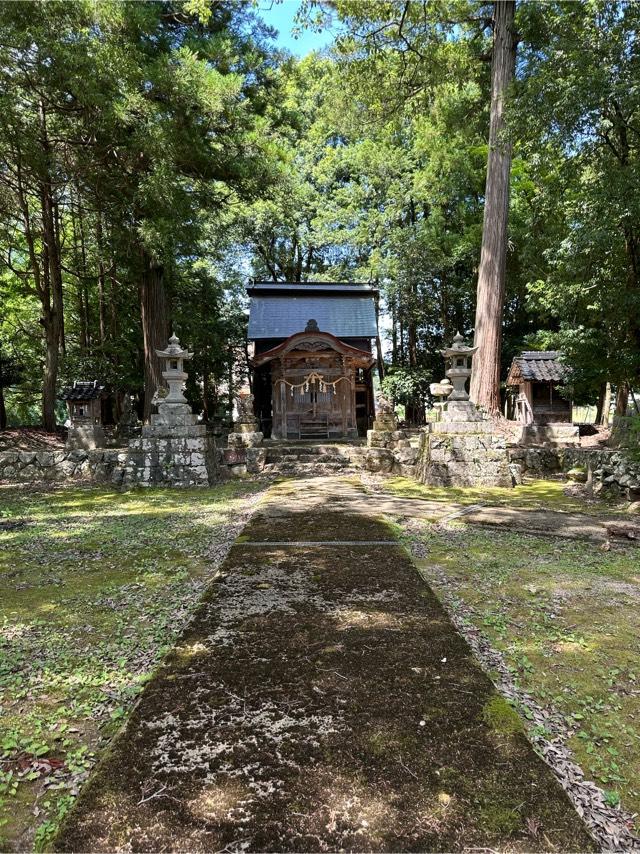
[(93, 591), (535, 495)]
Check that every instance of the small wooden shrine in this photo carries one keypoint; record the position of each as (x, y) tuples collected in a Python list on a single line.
[(312, 359), (532, 386), (85, 402)]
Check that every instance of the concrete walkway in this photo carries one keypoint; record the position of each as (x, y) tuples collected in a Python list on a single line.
[(321, 700)]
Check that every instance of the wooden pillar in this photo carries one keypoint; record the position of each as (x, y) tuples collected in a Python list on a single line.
[(352, 388), (283, 401)]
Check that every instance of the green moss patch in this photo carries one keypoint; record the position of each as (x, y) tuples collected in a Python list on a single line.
[(566, 616), (94, 586), (501, 716)]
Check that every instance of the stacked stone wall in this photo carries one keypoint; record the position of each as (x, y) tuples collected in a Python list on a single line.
[(614, 470), (625, 431), (103, 465)]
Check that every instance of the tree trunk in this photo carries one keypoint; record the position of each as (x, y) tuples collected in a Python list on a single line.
[(394, 331), (485, 382), (380, 360), (102, 315), (604, 405), (78, 254), (3, 411), (622, 399), (155, 326), (51, 296), (50, 378)]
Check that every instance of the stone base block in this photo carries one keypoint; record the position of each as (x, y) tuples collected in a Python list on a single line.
[(461, 427), (465, 459), (245, 440), (85, 437), (386, 422), (550, 434), (245, 426), (161, 431), (171, 461), (174, 415), (461, 410), (379, 460)]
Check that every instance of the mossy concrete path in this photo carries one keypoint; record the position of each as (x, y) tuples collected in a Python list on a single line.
[(321, 700)]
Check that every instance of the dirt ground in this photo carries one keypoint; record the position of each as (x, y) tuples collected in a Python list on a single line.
[(321, 700), (31, 439)]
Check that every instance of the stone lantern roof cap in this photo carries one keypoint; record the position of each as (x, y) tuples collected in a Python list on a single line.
[(174, 350), (458, 347)]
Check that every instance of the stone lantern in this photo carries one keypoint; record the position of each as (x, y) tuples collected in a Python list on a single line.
[(458, 359), (174, 449), (174, 357)]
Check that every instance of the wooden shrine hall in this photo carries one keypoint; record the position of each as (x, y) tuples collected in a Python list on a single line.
[(311, 358)]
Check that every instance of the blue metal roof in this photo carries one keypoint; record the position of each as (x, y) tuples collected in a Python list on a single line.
[(305, 287), (275, 316)]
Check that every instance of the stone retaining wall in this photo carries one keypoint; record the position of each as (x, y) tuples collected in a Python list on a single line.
[(103, 465), (614, 470)]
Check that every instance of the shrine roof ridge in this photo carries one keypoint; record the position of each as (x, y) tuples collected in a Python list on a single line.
[(82, 390), (326, 287)]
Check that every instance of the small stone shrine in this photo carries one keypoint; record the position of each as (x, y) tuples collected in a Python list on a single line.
[(84, 402), (174, 450), (246, 433), (461, 448), (245, 454), (388, 449)]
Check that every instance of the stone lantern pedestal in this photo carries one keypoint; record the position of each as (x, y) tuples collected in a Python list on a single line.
[(245, 454), (462, 448), (174, 450)]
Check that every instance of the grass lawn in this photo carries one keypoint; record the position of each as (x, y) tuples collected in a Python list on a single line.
[(566, 616), (532, 495), (94, 587)]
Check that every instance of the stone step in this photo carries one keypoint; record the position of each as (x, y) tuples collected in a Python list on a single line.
[(309, 458), (306, 469), (302, 461), (282, 451)]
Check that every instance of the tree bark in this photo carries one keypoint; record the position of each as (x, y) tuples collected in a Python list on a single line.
[(102, 314), (3, 411), (602, 396), (485, 382), (155, 326), (622, 399), (606, 406), (51, 295), (380, 359)]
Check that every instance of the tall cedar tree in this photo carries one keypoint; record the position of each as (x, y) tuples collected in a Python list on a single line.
[(485, 383)]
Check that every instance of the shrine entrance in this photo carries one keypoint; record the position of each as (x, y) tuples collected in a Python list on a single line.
[(313, 386)]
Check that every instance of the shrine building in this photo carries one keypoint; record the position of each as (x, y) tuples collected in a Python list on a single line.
[(311, 356)]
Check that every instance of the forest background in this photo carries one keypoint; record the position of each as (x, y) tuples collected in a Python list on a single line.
[(155, 155)]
